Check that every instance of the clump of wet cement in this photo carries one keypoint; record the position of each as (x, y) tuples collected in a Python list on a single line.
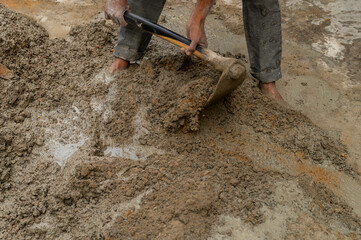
[(43, 78), (289, 129), (177, 194), (13, 41), (182, 93)]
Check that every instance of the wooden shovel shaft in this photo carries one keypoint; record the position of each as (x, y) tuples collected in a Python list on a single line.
[(161, 32)]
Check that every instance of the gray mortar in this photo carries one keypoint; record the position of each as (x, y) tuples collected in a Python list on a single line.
[(186, 181)]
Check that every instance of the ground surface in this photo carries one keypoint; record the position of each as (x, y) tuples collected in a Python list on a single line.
[(135, 156)]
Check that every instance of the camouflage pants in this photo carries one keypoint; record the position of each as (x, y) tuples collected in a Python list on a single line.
[(262, 24)]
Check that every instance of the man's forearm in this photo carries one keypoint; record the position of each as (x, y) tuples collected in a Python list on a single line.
[(201, 10)]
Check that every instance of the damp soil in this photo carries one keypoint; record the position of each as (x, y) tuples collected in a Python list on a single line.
[(85, 155)]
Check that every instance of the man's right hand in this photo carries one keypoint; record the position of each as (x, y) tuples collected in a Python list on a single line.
[(114, 10)]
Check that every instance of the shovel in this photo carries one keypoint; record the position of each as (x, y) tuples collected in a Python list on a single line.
[(233, 70)]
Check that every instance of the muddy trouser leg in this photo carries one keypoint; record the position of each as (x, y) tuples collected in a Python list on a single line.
[(132, 42), (262, 24)]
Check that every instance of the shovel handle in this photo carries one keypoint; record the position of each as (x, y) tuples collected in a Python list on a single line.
[(161, 32)]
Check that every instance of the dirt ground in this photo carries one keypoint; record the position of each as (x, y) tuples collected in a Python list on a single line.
[(85, 155)]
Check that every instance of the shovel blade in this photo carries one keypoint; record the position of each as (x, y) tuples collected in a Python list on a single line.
[(230, 79)]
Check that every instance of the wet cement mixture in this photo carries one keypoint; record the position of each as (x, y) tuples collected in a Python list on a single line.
[(85, 155)]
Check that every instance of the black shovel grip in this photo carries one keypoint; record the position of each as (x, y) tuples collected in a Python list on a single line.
[(154, 28)]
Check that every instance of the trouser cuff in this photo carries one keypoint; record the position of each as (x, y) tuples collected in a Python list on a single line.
[(269, 75), (127, 54)]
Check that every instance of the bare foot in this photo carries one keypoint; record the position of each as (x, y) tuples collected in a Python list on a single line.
[(118, 64), (270, 89)]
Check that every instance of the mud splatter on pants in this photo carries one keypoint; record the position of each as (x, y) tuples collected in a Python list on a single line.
[(262, 24)]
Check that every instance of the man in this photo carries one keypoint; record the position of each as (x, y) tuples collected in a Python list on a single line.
[(262, 23)]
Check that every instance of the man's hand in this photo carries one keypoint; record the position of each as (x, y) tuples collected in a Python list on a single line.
[(195, 25), (114, 10), (196, 33)]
